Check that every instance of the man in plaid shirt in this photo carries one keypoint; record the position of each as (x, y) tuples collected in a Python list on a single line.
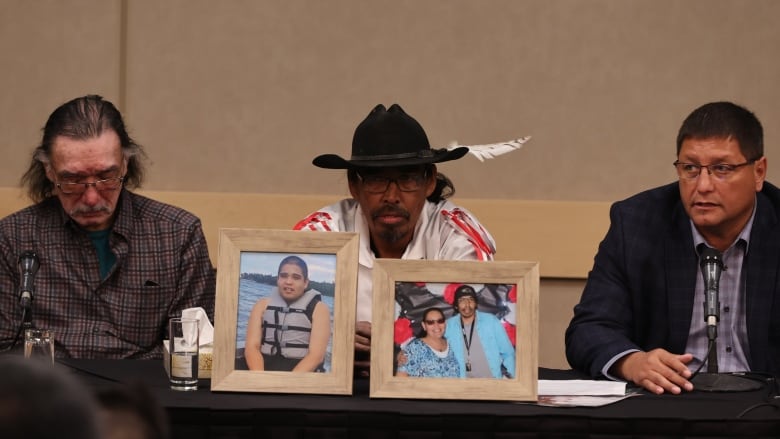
[(114, 266)]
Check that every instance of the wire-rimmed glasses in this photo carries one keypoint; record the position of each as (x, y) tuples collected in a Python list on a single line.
[(721, 171), (106, 184)]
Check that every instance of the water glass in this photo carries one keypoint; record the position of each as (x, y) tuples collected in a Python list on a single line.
[(183, 345), (39, 345)]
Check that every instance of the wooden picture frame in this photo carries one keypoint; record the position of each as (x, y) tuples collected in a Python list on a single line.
[(234, 245), (388, 274)]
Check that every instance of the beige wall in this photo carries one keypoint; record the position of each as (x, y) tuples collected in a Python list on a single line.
[(556, 302), (239, 96)]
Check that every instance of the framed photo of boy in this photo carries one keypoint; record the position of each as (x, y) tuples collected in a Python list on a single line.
[(463, 330), (285, 312)]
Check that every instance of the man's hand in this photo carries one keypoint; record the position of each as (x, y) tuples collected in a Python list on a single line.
[(362, 348), (401, 359), (657, 371)]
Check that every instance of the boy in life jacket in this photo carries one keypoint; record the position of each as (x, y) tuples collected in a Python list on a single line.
[(290, 329)]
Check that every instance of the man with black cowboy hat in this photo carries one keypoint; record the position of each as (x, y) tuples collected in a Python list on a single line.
[(478, 339), (398, 204)]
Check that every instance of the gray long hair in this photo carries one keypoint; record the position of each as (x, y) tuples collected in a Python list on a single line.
[(81, 118)]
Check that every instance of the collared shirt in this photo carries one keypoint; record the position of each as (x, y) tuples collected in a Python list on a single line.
[(162, 267), (732, 341), (443, 232)]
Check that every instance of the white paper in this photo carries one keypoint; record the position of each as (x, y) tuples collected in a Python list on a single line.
[(580, 401), (581, 388), (206, 329)]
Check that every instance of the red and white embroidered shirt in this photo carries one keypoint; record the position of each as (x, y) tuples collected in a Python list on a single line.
[(443, 232)]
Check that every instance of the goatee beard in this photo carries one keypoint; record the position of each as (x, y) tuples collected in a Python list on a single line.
[(391, 235), (394, 233)]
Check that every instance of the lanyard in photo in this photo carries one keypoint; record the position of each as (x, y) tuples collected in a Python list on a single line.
[(467, 340)]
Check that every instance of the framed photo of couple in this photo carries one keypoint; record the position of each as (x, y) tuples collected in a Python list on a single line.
[(455, 330), (284, 319)]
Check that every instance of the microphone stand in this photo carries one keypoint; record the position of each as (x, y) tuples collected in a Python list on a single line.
[(27, 322), (722, 382), (712, 357), (28, 266), (712, 381)]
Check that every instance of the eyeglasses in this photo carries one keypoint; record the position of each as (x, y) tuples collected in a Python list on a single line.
[(107, 184), (721, 171), (406, 182), (439, 321)]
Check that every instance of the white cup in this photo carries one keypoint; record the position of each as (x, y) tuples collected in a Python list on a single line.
[(39, 345), (183, 345)]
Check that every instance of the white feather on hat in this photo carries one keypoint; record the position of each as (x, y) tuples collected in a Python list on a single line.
[(492, 150)]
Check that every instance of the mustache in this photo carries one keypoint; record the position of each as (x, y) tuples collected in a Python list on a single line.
[(93, 209), (390, 209)]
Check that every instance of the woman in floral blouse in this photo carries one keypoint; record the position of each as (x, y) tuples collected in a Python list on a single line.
[(429, 354)]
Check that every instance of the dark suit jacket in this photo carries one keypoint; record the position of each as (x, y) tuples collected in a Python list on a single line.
[(640, 292)]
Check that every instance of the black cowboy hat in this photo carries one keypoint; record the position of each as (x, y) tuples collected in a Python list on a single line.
[(389, 138)]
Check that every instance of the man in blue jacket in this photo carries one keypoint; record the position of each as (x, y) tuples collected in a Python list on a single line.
[(478, 339), (641, 315)]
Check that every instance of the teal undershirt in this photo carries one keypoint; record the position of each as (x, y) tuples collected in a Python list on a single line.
[(106, 258)]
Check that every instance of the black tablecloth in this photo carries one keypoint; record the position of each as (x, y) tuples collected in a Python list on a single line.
[(206, 414)]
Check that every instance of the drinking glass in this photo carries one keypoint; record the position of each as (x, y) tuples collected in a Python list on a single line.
[(183, 345), (39, 345)]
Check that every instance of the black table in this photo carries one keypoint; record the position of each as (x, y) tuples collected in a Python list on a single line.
[(206, 414)]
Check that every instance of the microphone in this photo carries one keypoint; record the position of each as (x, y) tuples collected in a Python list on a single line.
[(711, 267), (28, 267), (711, 262)]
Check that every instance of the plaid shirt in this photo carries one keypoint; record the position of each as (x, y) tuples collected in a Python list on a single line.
[(162, 267)]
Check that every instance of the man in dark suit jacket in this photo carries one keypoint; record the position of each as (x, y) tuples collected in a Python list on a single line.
[(635, 320)]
